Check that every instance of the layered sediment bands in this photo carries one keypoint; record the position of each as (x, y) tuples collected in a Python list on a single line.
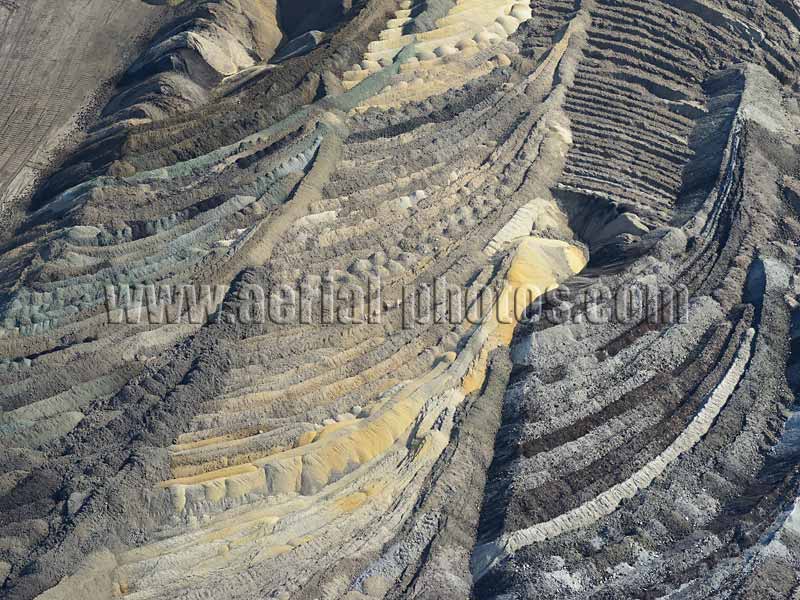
[(607, 502), (466, 29), (644, 396), (169, 432)]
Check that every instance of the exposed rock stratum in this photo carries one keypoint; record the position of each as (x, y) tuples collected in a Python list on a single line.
[(187, 443)]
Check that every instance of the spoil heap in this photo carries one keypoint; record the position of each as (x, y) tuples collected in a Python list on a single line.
[(188, 442)]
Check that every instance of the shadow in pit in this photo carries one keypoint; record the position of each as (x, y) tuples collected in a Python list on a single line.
[(497, 491)]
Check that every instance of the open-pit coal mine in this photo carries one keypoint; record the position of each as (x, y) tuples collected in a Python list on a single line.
[(399, 299)]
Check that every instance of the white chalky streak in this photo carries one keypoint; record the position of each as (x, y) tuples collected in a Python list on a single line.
[(607, 502)]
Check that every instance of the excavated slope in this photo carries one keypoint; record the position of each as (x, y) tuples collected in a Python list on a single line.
[(165, 432)]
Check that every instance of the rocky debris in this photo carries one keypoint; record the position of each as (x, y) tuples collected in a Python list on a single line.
[(620, 175)]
